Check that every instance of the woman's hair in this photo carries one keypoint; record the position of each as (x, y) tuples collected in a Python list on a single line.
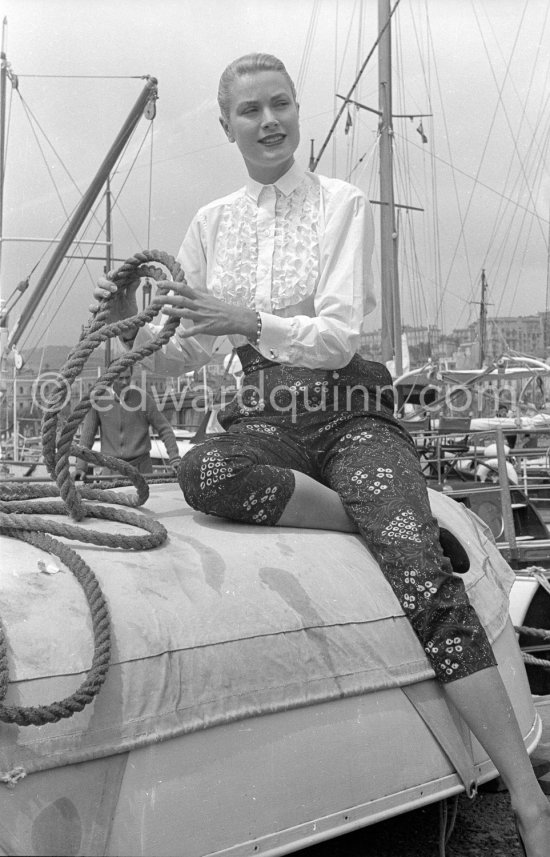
[(248, 64)]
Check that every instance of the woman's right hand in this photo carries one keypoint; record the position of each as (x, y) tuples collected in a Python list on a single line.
[(124, 303)]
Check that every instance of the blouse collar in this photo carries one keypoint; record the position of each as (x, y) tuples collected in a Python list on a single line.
[(286, 184)]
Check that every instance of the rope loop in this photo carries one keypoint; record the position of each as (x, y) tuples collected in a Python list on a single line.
[(57, 445)]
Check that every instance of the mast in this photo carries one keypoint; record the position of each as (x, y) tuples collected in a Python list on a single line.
[(482, 320), (108, 251), (3, 79), (390, 300), (145, 100), (545, 322)]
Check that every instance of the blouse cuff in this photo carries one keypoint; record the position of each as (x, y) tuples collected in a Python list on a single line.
[(275, 340)]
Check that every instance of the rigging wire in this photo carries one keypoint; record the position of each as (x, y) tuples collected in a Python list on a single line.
[(148, 130), (520, 269), (528, 243), (485, 148), (356, 81), (435, 220), (33, 121), (544, 89), (91, 76), (339, 76), (475, 180), (306, 54), (411, 262), (7, 136), (522, 178), (352, 138), (34, 124), (505, 112), (443, 286), (335, 73), (417, 304), (101, 228), (510, 244), (205, 148), (363, 162), (506, 246), (149, 209)]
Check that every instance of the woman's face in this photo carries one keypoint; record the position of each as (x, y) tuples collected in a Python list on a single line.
[(263, 122)]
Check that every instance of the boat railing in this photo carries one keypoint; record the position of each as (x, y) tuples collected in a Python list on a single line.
[(450, 448), (446, 452)]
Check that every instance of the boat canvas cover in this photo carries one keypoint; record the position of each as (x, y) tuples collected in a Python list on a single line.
[(221, 623)]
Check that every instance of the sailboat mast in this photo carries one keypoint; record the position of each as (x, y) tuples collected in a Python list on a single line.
[(3, 80), (390, 300), (108, 250), (482, 320)]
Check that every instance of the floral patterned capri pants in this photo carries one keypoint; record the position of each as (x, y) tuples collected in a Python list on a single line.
[(338, 428)]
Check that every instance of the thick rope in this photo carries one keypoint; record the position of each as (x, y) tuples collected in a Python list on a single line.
[(22, 519), (535, 633), (543, 633), (528, 658), (10, 523), (97, 332), (40, 714), (541, 576)]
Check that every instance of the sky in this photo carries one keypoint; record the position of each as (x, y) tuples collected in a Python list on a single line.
[(479, 68)]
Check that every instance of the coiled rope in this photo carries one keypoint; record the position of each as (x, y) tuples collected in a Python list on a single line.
[(534, 633), (22, 520)]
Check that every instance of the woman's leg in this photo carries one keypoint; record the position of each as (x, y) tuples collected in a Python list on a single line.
[(246, 475), (481, 698), (484, 704), (392, 512), (315, 506), (235, 478)]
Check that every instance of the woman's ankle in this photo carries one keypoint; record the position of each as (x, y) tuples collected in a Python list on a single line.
[(529, 809)]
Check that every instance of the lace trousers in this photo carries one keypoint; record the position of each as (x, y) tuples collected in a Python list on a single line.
[(246, 474)]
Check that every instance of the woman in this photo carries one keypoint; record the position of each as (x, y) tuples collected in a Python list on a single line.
[(282, 267)]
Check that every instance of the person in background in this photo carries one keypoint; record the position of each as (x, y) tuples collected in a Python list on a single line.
[(283, 268), (123, 416), (503, 412), (530, 441)]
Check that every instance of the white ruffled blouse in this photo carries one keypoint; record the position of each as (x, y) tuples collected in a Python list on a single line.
[(299, 252)]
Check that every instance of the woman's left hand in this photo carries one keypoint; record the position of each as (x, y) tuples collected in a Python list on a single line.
[(208, 314)]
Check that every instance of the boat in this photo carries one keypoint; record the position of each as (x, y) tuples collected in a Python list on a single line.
[(497, 472), (239, 713), (230, 707)]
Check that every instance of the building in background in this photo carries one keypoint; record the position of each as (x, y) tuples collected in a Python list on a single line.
[(528, 335)]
